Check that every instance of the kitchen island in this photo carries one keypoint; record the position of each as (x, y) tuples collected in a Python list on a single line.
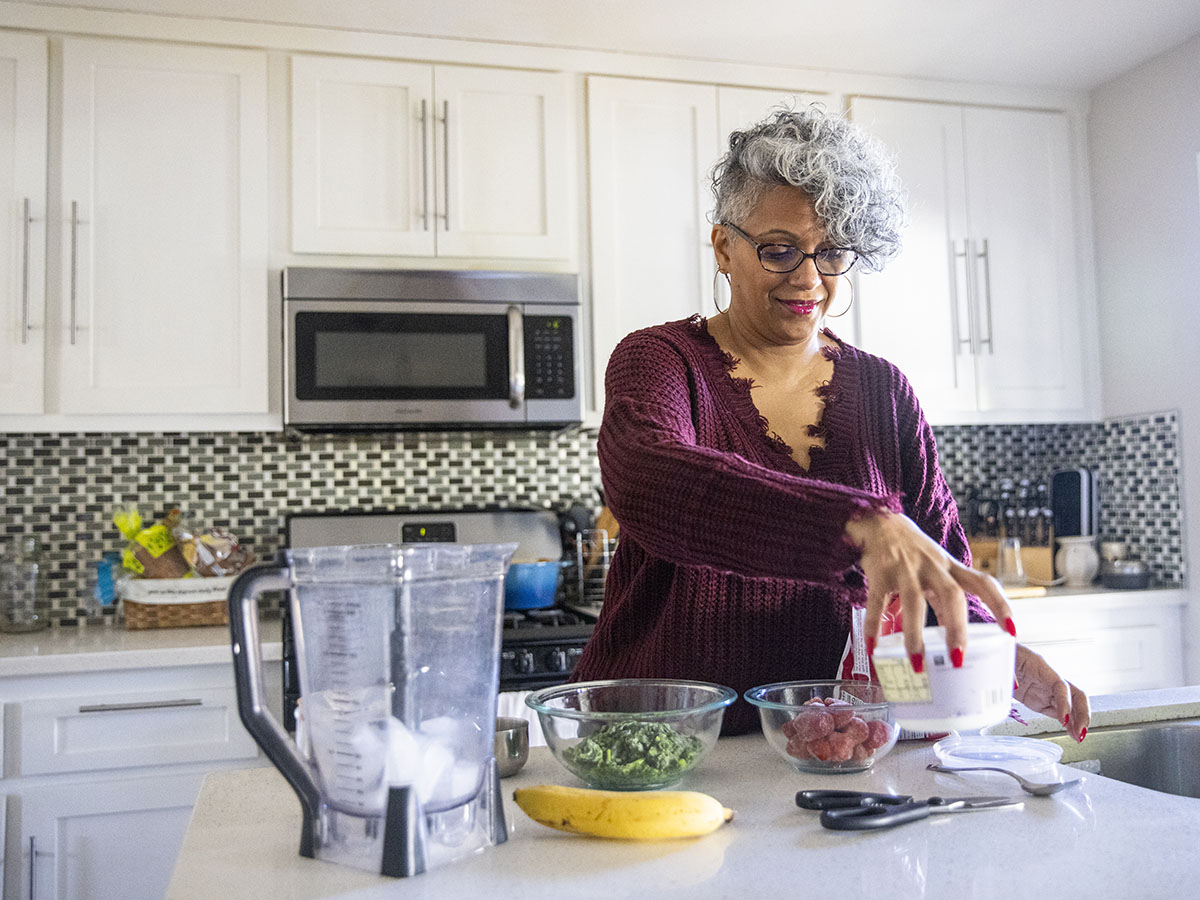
[(1100, 839)]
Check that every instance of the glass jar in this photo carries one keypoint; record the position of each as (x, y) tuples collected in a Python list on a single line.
[(23, 604)]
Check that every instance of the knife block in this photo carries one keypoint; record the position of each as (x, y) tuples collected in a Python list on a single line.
[(1038, 562)]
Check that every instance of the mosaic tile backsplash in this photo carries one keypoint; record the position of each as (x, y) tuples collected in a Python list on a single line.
[(65, 487)]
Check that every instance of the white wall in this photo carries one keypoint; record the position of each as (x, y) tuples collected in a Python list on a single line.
[(1144, 130)]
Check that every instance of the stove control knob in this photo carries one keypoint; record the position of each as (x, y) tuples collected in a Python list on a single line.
[(556, 661), (523, 662)]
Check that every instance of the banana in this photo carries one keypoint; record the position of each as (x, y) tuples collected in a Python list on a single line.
[(637, 815)]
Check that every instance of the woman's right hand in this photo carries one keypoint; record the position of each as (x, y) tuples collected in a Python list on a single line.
[(899, 558)]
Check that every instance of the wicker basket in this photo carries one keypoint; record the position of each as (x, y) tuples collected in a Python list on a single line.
[(175, 602)]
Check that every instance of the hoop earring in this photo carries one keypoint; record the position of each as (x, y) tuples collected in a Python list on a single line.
[(849, 282), (716, 289)]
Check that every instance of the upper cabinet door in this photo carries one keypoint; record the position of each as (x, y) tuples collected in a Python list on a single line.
[(916, 313), (164, 231), (650, 148), (410, 159), (362, 157), (1018, 167), (23, 96), (983, 309), (504, 151), (739, 108)]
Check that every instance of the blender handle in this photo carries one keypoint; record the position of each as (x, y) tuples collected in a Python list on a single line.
[(247, 670)]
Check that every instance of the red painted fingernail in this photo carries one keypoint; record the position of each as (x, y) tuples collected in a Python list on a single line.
[(1015, 684), (1082, 735), (918, 662), (870, 647), (956, 655), (1011, 627), (1066, 720)]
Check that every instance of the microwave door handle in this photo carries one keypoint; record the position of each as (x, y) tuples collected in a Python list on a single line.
[(516, 357)]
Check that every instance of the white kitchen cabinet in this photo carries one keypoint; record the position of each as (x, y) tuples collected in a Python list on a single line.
[(1107, 642), (103, 762), (163, 229), (983, 309), (651, 148), (96, 840), (394, 158), (23, 97)]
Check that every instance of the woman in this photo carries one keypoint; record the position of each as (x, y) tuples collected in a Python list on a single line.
[(766, 475)]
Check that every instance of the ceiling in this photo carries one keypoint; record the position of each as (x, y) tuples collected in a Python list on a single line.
[(1074, 44)]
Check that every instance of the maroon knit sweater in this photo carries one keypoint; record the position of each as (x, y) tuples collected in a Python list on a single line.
[(732, 565)]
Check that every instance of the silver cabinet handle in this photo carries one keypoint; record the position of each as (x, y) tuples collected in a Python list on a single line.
[(144, 704), (516, 357), (956, 339), (987, 296), (424, 167), (74, 262), (446, 162), (26, 221), (34, 853), (965, 256)]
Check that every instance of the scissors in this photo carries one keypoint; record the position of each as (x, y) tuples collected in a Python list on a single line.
[(863, 811)]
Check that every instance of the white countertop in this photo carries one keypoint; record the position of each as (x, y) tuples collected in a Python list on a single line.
[(100, 647), (1089, 842), (94, 648)]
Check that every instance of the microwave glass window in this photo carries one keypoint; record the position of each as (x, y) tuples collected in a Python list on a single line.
[(400, 359), (400, 356)]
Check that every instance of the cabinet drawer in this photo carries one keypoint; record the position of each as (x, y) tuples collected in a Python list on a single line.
[(1104, 661), (84, 733)]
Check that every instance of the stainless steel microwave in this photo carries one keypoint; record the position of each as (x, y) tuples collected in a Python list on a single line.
[(370, 350)]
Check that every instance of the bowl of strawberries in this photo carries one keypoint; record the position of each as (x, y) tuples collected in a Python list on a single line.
[(826, 726)]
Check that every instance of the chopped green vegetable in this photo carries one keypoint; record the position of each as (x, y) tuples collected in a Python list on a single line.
[(632, 754)]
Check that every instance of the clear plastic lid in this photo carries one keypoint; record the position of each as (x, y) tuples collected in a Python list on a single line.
[(1022, 755)]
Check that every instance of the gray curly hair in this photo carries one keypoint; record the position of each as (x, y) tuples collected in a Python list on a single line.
[(849, 174)]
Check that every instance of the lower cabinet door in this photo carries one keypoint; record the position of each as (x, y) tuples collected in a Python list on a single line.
[(94, 840)]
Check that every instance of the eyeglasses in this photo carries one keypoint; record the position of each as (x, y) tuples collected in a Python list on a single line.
[(782, 258)]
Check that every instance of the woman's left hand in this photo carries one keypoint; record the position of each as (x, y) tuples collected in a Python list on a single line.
[(1044, 691)]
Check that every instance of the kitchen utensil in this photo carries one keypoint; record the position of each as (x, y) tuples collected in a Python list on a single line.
[(1037, 788), (1010, 571), (943, 698), (23, 603), (850, 736), (398, 652), (631, 734), (1125, 574), (1031, 757), (531, 585), (861, 811), (511, 745), (1077, 559)]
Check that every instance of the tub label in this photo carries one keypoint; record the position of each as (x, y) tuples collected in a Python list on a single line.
[(900, 683)]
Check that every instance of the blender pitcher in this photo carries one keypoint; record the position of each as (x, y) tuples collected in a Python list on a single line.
[(398, 654)]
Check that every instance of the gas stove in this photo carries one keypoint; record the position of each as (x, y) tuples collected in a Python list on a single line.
[(538, 648)]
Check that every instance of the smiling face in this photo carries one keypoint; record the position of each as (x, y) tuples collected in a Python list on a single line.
[(768, 307)]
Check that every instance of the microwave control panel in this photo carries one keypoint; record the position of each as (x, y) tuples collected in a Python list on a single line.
[(549, 357)]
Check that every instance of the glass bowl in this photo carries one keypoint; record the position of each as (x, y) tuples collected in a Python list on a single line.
[(826, 727), (631, 734)]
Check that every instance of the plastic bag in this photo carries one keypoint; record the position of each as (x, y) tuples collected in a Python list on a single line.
[(152, 551), (214, 552)]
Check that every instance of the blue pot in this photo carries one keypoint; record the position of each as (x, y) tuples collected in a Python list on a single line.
[(531, 585)]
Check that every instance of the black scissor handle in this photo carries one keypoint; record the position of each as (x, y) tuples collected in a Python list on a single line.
[(846, 799), (872, 816)]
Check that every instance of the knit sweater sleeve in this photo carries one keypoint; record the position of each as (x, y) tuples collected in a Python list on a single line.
[(927, 498), (694, 504)]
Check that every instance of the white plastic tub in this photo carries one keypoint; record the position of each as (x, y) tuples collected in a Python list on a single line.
[(942, 698)]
